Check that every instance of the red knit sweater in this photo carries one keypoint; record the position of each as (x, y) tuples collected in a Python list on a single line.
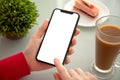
[(14, 67)]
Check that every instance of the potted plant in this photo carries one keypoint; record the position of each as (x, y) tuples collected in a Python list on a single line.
[(17, 17)]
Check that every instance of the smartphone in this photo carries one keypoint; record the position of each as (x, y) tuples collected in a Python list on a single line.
[(57, 38)]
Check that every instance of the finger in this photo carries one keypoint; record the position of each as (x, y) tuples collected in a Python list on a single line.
[(72, 73), (61, 69), (78, 70), (59, 65), (73, 42), (70, 51), (56, 76), (42, 29), (67, 60), (81, 72), (91, 76), (77, 31)]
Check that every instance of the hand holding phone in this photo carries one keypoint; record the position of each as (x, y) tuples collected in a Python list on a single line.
[(58, 35)]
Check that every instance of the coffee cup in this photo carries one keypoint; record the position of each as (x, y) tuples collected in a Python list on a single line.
[(107, 45)]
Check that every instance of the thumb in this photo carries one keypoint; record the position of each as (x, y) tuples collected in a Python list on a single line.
[(39, 33)]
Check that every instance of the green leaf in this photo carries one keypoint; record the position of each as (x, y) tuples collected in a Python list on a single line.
[(17, 16)]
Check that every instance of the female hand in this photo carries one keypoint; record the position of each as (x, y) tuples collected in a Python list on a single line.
[(31, 49), (71, 74)]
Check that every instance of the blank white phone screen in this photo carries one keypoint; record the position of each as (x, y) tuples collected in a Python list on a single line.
[(58, 36)]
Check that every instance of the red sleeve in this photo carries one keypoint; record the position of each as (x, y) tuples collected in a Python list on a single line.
[(14, 67)]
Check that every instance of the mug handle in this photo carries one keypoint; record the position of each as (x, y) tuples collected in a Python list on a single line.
[(117, 61)]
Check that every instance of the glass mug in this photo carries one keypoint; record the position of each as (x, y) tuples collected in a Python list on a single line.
[(107, 46)]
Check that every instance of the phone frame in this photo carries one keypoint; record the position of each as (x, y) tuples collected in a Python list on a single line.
[(64, 11)]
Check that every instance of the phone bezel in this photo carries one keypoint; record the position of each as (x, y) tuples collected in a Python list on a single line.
[(64, 11)]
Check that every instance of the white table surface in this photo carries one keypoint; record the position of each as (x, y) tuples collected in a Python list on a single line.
[(84, 49)]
